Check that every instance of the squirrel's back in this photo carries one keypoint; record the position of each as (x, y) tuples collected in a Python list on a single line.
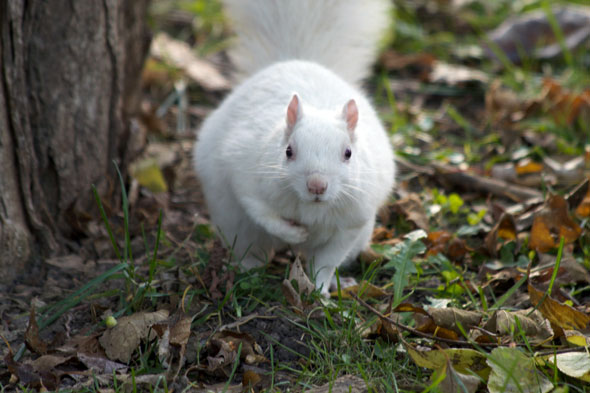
[(342, 35)]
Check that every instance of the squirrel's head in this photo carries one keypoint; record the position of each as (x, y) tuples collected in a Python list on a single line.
[(319, 150)]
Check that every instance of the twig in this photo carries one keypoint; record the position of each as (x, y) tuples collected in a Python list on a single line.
[(417, 332), (481, 183), (494, 186)]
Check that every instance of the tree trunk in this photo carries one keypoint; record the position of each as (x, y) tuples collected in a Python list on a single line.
[(69, 86)]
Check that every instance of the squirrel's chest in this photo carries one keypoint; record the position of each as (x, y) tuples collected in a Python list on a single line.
[(321, 221)]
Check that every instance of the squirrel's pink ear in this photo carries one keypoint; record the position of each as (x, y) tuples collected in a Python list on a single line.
[(293, 112), (350, 113)]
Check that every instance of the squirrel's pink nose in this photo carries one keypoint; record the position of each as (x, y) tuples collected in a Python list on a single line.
[(316, 184)]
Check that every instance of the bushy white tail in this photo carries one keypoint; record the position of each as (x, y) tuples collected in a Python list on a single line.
[(342, 35)]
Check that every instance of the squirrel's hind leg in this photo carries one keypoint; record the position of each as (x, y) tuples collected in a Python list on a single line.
[(249, 245)]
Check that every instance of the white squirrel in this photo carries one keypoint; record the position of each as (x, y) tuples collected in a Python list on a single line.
[(296, 156)]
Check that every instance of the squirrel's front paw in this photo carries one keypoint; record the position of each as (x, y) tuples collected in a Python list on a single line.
[(292, 232)]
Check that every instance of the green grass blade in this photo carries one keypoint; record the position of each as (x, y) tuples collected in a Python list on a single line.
[(74, 299), (128, 256), (508, 293), (106, 223)]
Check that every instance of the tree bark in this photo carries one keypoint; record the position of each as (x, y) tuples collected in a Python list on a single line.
[(68, 90)]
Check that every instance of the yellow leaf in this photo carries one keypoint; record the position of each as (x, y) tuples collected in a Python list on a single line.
[(576, 338), (559, 314), (149, 175), (527, 166), (462, 359)]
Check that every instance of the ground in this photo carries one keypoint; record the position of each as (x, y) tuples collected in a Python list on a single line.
[(479, 262)]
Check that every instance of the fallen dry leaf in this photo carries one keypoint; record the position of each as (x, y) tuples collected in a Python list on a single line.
[(454, 381), (568, 172), (505, 228), (120, 341), (532, 34), (149, 175), (250, 379), (181, 55), (437, 242), (26, 375), (412, 208), (393, 60), (223, 348), (535, 327), (565, 105), (32, 340), (527, 166), (574, 364), (463, 360), (576, 338), (513, 371), (451, 317), (298, 287), (561, 315), (454, 74), (552, 223), (101, 365)]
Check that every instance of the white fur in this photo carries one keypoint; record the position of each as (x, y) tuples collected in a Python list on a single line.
[(342, 35), (257, 197)]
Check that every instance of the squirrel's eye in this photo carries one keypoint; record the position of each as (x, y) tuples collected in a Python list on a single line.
[(347, 153), (289, 152)]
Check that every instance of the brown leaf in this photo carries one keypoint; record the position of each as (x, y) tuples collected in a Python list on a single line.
[(412, 208), (437, 242), (552, 223), (534, 325), (101, 365), (25, 373), (425, 322), (32, 340), (570, 270), (451, 317), (120, 341), (505, 228), (559, 314), (180, 55), (250, 379), (224, 346), (393, 60), (427, 325), (565, 105), (297, 294), (454, 381)]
